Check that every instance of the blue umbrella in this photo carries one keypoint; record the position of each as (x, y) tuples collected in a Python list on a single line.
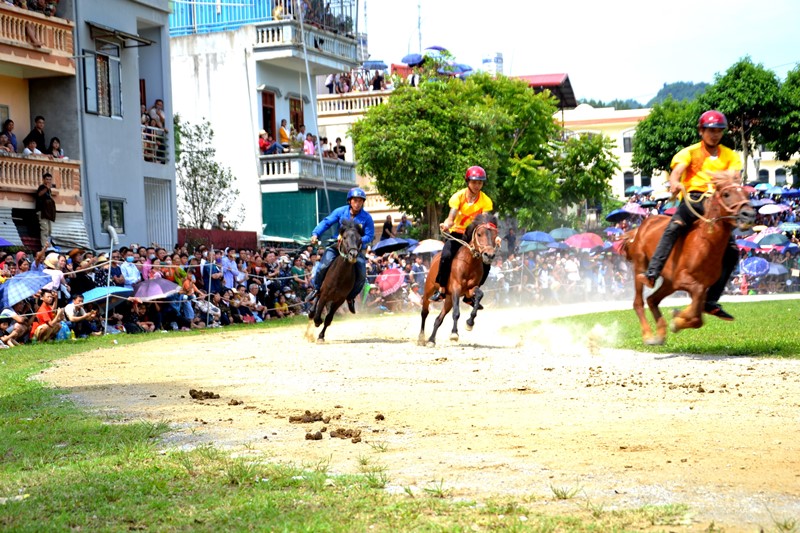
[(789, 226), (755, 266), (762, 186), (389, 245), (558, 246), (633, 189), (747, 245), (645, 190), (617, 215), (22, 286), (538, 236), (613, 231), (114, 294), (4, 242), (775, 190), (533, 246), (791, 193), (375, 65), (437, 48), (413, 60), (774, 239)]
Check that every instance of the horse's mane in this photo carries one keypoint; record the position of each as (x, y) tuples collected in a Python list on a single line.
[(483, 218), (724, 178)]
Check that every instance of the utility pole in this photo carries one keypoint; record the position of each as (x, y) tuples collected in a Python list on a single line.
[(419, 24)]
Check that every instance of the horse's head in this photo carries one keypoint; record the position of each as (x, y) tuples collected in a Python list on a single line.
[(350, 234), (733, 200), (481, 235)]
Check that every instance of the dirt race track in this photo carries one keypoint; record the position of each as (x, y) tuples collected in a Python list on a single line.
[(494, 414)]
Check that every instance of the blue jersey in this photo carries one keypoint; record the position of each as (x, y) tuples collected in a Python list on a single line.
[(343, 213)]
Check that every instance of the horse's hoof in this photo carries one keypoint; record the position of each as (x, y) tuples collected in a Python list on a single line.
[(468, 327), (320, 341), (454, 337), (673, 327), (654, 341), (430, 344)]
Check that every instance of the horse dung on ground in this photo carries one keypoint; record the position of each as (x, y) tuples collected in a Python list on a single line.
[(465, 276), (338, 280), (695, 262)]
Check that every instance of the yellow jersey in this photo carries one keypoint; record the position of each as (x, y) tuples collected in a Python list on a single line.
[(468, 211), (700, 165)]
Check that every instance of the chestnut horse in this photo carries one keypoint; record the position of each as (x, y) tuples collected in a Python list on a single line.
[(465, 276), (695, 262), (339, 279)]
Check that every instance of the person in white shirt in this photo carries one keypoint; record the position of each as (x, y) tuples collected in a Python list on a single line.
[(130, 271)]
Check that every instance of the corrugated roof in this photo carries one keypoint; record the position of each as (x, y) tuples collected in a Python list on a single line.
[(558, 84), (21, 227), (69, 231), (8, 230)]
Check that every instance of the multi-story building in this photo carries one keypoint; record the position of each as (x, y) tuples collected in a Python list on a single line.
[(87, 68), (246, 68)]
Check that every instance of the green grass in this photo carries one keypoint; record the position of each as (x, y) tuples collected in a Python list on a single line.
[(766, 328), (63, 469)]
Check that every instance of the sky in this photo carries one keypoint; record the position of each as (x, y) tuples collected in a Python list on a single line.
[(610, 49)]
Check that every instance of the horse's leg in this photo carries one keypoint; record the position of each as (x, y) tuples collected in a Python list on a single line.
[(653, 302), (638, 306), (424, 316), (456, 314), (692, 316), (478, 297), (447, 305), (309, 334), (328, 319)]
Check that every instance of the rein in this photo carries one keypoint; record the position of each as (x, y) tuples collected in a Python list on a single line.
[(473, 244), (340, 247), (710, 221)]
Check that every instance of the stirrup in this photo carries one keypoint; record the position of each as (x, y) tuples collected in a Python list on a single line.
[(437, 296)]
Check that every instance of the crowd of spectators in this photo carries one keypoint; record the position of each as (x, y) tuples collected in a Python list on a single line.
[(297, 140), (32, 145), (45, 7)]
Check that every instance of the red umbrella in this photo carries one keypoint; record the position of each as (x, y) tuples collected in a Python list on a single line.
[(390, 280), (584, 240)]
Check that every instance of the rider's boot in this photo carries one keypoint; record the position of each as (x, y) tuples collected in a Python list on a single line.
[(668, 238), (351, 305), (437, 296)]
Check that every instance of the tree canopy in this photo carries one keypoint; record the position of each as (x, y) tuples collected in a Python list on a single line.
[(680, 91), (204, 187), (417, 146)]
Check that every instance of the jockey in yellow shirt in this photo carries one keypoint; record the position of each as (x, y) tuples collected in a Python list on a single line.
[(465, 205)]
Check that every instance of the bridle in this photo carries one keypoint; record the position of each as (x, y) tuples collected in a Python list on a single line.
[(735, 208), (341, 247), (474, 247)]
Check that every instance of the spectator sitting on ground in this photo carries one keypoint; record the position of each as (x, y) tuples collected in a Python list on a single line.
[(47, 322), (17, 330), (79, 319)]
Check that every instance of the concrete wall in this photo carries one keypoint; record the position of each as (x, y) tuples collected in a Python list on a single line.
[(15, 96)]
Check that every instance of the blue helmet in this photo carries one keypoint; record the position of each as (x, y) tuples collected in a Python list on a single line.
[(356, 192)]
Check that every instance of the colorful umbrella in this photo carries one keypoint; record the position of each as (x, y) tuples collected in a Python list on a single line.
[(390, 280), (428, 246), (413, 60), (22, 286), (762, 186), (617, 215), (585, 240), (155, 289), (772, 209), (789, 226), (374, 65), (774, 239), (755, 266), (613, 231), (538, 236), (389, 245), (4, 242), (662, 195), (533, 246), (775, 190), (747, 245), (777, 269), (112, 294), (560, 234), (635, 209)]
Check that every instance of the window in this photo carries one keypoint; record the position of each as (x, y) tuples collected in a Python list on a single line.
[(763, 176), (646, 180), (296, 112), (628, 177), (627, 142), (112, 212), (780, 176), (102, 79)]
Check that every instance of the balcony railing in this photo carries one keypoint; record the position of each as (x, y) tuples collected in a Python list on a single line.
[(23, 174), (154, 144), (284, 33), (305, 169), (355, 103), (36, 41)]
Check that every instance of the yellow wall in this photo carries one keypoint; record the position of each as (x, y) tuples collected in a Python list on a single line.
[(14, 94)]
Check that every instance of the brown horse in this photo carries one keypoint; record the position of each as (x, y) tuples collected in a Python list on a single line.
[(695, 262), (465, 276), (338, 280)]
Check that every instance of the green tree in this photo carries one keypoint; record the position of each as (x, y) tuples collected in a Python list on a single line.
[(786, 124), (749, 96), (669, 127), (583, 168), (204, 187)]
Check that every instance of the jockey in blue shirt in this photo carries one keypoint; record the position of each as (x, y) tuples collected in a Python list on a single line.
[(353, 210)]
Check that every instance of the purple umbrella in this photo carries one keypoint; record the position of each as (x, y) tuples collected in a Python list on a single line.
[(155, 289)]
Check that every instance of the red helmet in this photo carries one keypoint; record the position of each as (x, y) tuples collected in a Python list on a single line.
[(713, 119), (475, 173)]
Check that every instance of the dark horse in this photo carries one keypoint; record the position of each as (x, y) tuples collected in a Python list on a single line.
[(465, 276), (695, 262), (338, 280)]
